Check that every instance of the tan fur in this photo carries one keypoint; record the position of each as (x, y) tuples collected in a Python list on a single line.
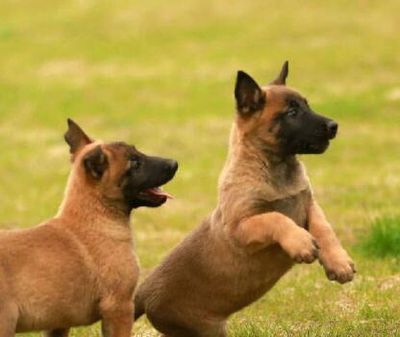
[(333, 257), (76, 268), (266, 219)]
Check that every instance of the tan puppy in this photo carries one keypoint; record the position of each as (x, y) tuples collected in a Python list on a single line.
[(79, 267), (266, 219)]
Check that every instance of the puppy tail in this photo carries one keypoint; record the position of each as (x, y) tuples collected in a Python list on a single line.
[(139, 304)]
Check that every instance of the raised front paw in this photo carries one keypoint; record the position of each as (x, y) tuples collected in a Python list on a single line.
[(300, 245), (337, 264)]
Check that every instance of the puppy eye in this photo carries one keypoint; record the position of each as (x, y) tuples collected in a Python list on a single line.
[(134, 164), (293, 109), (292, 112)]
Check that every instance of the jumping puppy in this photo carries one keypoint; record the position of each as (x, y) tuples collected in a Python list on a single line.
[(266, 219), (79, 267)]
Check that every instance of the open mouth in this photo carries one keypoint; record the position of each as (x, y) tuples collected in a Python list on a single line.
[(157, 193), (144, 188), (154, 196)]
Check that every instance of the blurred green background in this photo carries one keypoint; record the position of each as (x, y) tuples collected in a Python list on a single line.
[(160, 74)]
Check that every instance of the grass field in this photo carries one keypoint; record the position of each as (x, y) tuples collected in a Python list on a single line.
[(160, 74)]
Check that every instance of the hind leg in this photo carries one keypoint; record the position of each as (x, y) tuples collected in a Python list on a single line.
[(170, 328), (56, 333), (184, 333), (181, 332)]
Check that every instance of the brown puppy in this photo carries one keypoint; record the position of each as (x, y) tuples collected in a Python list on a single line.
[(266, 219), (79, 267)]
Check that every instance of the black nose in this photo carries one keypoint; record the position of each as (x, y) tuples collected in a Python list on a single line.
[(332, 129), (172, 166)]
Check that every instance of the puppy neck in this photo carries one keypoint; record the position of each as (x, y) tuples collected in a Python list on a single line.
[(252, 164), (251, 155)]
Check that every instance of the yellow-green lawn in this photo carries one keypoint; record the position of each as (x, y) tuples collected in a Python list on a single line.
[(160, 74)]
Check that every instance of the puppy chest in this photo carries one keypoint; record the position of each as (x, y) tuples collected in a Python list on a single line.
[(295, 207)]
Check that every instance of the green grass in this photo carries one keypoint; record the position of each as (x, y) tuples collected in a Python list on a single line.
[(316, 329), (160, 74), (383, 239)]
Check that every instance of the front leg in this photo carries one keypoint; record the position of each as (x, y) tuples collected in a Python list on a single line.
[(117, 319), (262, 230), (337, 263)]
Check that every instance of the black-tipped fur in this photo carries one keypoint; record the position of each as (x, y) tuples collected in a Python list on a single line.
[(75, 137), (281, 79), (249, 96)]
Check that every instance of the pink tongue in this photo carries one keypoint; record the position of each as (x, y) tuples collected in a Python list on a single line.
[(158, 191)]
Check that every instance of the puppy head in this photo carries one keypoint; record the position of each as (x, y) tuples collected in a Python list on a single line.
[(280, 118), (120, 173)]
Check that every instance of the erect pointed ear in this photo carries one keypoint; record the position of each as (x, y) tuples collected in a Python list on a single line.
[(75, 137), (249, 96), (95, 162), (281, 79)]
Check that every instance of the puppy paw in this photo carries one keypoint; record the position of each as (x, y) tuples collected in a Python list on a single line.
[(338, 265), (300, 245)]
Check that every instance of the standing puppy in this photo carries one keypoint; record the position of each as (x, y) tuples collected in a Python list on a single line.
[(266, 219), (79, 267)]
